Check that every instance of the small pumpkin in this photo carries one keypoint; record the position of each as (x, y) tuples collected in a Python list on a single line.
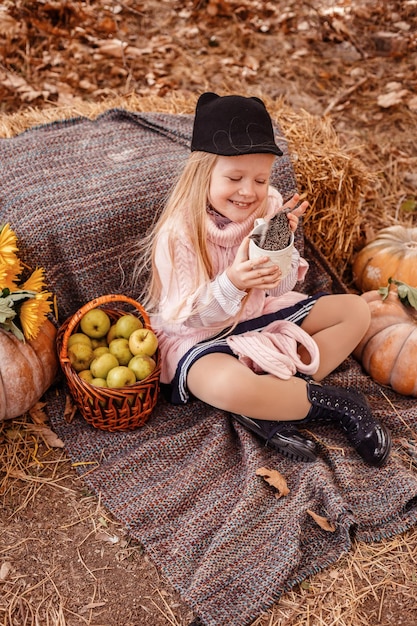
[(27, 369), (393, 253), (388, 351)]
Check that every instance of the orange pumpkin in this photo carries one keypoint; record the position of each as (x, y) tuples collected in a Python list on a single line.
[(26, 370), (388, 351), (393, 253)]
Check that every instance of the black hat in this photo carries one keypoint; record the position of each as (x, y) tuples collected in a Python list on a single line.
[(232, 125)]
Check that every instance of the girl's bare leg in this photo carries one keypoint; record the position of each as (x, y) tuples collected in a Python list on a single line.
[(224, 382), (337, 323)]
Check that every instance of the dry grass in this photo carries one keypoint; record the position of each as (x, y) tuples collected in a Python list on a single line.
[(64, 560)]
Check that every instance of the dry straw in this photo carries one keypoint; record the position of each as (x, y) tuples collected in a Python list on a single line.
[(331, 178)]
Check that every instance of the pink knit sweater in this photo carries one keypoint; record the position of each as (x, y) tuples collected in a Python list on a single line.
[(187, 316)]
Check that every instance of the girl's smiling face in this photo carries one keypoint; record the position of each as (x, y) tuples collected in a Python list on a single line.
[(239, 184)]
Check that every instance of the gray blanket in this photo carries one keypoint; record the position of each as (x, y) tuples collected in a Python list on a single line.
[(79, 194)]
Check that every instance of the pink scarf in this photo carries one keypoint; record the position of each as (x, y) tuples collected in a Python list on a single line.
[(274, 349)]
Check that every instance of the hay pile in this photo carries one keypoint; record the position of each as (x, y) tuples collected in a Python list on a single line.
[(333, 180)]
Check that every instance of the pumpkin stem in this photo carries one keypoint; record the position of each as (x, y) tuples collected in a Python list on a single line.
[(406, 293)]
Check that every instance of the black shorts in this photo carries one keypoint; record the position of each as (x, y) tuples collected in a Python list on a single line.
[(177, 392)]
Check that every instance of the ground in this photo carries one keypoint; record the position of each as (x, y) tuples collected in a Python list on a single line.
[(64, 561)]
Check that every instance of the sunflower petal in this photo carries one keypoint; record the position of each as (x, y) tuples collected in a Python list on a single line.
[(33, 313), (36, 281), (8, 245)]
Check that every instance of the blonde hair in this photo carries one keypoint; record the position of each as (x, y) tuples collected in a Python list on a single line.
[(187, 205), (186, 209)]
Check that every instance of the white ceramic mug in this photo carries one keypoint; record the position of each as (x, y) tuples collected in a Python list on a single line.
[(282, 258)]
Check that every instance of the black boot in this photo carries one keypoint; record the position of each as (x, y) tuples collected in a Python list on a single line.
[(283, 436), (351, 410)]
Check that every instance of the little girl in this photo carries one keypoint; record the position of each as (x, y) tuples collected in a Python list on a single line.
[(231, 331)]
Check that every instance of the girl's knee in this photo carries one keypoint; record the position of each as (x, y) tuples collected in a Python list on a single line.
[(215, 380), (359, 311)]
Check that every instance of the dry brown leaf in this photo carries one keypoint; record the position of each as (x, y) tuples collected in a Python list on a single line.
[(412, 103), (323, 522), (39, 419), (392, 98), (111, 47), (48, 435), (275, 479), (4, 570), (38, 414), (20, 86), (8, 25), (69, 410)]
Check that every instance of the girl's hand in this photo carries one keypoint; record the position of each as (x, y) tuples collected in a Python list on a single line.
[(246, 274), (294, 214)]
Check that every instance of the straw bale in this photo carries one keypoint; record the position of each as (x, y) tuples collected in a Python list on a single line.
[(329, 176)]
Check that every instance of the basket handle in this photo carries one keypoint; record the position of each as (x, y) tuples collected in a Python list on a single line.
[(93, 304)]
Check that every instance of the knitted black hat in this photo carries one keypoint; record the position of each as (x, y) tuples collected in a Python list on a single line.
[(232, 125)]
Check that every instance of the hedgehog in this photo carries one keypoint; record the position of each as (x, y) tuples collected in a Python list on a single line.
[(277, 233)]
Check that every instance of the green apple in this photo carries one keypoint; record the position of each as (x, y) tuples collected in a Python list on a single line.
[(80, 356), (99, 382), (120, 376), (95, 323), (98, 343), (126, 324), (142, 365), (86, 375), (120, 348), (100, 350), (143, 341), (111, 334), (101, 366), (79, 338)]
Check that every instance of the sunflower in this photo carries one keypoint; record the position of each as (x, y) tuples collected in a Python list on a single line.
[(33, 313), (36, 281), (9, 275), (8, 245)]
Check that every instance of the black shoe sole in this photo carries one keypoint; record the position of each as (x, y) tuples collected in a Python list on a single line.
[(295, 450)]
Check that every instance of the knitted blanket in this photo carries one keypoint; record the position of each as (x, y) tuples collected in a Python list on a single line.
[(79, 194)]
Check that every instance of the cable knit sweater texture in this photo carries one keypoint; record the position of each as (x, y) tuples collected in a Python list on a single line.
[(188, 315)]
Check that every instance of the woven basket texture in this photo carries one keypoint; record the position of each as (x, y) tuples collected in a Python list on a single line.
[(79, 194), (112, 409)]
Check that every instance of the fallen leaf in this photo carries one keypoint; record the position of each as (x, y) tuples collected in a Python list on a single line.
[(275, 479), (4, 570), (8, 25), (412, 103), (323, 522), (392, 98), (69, 410), (38, 414), (18, 84), (39, 419), (50, 438), (409, 205)]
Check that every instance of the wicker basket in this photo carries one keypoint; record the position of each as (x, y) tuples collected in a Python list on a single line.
[(125, 408)]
